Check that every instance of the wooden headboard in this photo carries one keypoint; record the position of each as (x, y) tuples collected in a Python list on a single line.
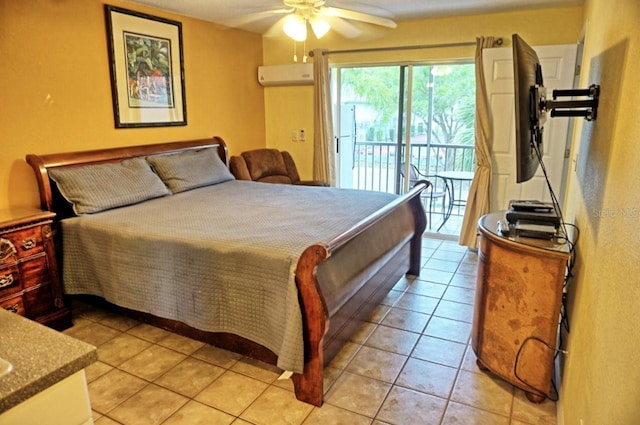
[(52, 200)]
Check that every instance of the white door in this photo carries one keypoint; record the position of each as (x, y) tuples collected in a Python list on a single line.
[(558, 67)]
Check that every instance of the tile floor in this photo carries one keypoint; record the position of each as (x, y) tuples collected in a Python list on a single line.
[(411, 364)]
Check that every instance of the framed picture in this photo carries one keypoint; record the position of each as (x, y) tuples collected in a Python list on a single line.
[(147, 72)]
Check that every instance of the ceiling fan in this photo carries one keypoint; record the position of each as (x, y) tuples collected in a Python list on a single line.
[(321, 18)]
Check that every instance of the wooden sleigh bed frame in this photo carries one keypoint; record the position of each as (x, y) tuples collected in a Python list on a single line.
[(325, 327)]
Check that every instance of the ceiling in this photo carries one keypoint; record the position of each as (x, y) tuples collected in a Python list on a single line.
[(236, 13)]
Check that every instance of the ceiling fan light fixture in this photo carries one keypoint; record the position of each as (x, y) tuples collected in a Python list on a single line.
[(295, 27), (319, 26)]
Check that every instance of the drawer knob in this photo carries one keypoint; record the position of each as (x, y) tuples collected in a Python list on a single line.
[(28, 243), (6, 249), (6, 280)]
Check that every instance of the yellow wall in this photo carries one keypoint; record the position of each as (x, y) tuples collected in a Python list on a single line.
[(291, 108), (56, 93), (601, 376)]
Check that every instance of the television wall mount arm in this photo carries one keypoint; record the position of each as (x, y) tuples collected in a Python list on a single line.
[(587, 108)]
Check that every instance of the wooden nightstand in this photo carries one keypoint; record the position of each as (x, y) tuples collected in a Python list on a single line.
[(29, 280)]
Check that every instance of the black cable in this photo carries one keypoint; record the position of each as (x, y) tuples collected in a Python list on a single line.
[(533, 389)]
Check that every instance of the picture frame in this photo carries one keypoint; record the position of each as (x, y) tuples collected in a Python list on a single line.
[(147, 69)]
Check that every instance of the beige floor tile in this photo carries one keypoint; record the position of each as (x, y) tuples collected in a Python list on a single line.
[(431, 243), (454, 311), (231, 392), (468, 268), (96, 370), (287, 384), (332, 415), (363, 333), (194, 413), (460, 295), (344, 356), (121, 348), (151, 406), (112, 389), (392, 339), (445, 265), (427, 377), (452, 330), (190, 376), (241, 422), (119, 322), (544, 413), (181, 343), (426, 288), (484, 392), (408, 407), (469, 362), (104, 420), (93, 333), (437, 276), (449, 255), (406, 320), (148, 332), (276, 406), (464, 281), (377, 364), (357, 394), (418, 303), (379, 313), (453, 246), (331, 375), (439, 350), (217, 356), (457, 414), (256, 369), (152, 362), (391, 298)]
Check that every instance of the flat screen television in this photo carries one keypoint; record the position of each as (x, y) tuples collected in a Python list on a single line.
[(530, 118), (532, 107)]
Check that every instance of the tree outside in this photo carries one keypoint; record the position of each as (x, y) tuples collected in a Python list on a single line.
[(443, 107)]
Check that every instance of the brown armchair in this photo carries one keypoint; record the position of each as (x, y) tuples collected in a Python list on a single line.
[(268, 166)]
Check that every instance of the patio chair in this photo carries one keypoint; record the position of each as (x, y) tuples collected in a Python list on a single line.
[(431, 193)]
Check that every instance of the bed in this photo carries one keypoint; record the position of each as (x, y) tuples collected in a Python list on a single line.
[(279, 273)]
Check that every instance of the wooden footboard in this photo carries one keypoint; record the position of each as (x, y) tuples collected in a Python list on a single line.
[(329, 322), (329, 317)]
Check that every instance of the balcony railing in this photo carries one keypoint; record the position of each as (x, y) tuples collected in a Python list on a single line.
[(375, 165)]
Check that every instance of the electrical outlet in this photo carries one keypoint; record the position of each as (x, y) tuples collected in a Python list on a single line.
[(302, 137), (294, 136)]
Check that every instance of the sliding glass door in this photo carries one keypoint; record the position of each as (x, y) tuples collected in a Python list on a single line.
[(391, 115)]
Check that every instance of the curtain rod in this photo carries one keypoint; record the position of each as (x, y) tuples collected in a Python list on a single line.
[(386, 49)]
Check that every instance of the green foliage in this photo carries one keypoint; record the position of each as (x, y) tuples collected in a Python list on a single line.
[(443, 98)]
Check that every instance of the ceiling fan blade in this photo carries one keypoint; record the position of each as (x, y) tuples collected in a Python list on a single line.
[(343, 27), (253, 17), (358, 16)]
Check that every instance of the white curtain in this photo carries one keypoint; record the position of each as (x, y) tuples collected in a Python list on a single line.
[(479, 192), (324, 157)]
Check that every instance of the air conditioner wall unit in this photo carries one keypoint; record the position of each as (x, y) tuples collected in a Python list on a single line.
[(286, 75)]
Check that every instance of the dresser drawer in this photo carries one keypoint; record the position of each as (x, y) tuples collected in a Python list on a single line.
[(9, 280), (14, 305), (34, 271), (27, 241), (38, 301)]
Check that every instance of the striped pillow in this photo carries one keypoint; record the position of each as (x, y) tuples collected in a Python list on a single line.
[(99, 187)]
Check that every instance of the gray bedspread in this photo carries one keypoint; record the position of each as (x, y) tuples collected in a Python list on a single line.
[(220, 258)]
